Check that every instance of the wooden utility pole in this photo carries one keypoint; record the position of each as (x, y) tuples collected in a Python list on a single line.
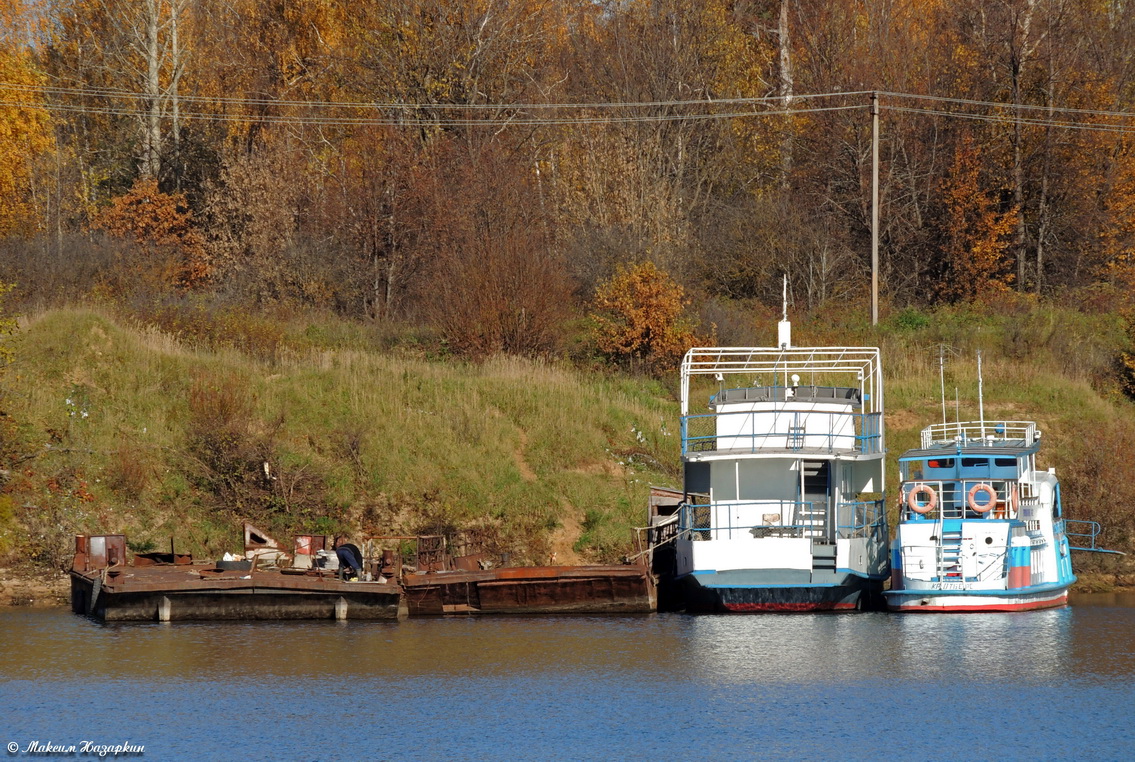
[(875, 208)]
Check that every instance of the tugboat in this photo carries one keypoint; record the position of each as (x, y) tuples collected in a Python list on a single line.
[(782, 506), (980, 528)]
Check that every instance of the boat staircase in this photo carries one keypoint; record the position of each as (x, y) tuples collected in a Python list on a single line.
[(950, 551), (813, 511), (823, 558)]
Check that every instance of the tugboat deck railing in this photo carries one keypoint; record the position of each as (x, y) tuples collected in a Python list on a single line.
[(1085, 534), (980, 433), (947, 573), (951, 498)]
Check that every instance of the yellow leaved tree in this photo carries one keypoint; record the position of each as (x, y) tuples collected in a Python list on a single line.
[(977, 232), (639, 318), (25, 127)]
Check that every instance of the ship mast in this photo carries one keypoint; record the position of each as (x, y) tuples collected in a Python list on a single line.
[(980, 399), (942, 380), (784, 328)]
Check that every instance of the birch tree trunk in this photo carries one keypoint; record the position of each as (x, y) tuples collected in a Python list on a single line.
[(151, 159), (786, 92), (1018, 61)]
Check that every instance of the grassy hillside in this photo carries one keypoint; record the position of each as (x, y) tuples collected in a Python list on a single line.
[(111, 427), (125, 430)]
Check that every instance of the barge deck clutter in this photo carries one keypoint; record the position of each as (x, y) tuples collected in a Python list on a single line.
[(344, 582), (172, 587)]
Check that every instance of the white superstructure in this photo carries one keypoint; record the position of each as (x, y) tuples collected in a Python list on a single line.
[(784, 476)]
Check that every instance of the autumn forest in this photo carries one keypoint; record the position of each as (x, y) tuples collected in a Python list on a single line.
[(387, 160), (601, 182)]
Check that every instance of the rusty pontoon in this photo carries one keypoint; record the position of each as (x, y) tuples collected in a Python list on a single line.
[(474, 583), (173, 587)]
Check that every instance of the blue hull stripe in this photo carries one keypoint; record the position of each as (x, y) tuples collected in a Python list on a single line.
[(771, 587), (851, 572)]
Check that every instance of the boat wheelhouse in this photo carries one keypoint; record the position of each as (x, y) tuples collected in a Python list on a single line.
[(981, 528), (782, 504)]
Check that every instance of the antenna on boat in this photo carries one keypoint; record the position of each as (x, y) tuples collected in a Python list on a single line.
[(784, 328), (980, 400), (942, 380)]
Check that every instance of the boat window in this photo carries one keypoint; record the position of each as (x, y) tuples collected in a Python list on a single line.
[(941, 463), (1005, 462), (973, 462)]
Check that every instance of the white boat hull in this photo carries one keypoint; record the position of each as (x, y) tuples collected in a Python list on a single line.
[(945, 601)]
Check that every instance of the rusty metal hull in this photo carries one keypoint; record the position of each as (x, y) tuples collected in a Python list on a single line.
[(625, 589), (163, 593)]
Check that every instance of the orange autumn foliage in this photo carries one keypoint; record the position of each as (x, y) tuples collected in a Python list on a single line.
[(639, 318), (152, 218), (977, 232)]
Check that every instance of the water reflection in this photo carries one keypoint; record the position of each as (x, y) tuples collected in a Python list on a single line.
[(771, 649), (583, 688), (54, 645), (1030, 646), (824, 648), (1094, 637)]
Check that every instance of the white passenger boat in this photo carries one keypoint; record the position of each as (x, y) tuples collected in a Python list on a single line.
[(782, 505), (981, 528)]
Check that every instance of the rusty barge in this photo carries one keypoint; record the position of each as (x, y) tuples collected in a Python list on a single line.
[(464, 576), (172, 587), (623, 589), (310, 583)]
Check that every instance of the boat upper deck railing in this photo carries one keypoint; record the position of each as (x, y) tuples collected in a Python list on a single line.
[(856, 368), (763, 431), (759, 519), (980, 434)]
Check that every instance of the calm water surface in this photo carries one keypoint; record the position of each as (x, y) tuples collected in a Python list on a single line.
[(1043, 685)]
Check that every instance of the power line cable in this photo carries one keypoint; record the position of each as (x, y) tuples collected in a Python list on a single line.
[(413, 121), (266, 101), (1014, 106), (519, 113), (1032, 122)]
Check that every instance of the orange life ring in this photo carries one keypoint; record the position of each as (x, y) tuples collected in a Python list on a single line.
[(931, 499), (981, 507), (1007, 509)]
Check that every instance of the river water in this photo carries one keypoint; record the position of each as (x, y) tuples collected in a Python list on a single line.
[(1041, 685)]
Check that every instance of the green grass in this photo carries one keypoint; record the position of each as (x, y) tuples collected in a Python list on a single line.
[(361, 441), (363, 438)]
